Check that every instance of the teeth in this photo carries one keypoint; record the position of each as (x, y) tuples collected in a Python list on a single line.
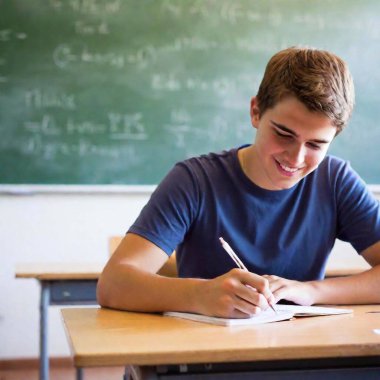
[(287, 169)]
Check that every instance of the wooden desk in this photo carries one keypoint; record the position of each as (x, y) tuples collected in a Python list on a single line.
[(343, 344), (61, 284), (75, 284)]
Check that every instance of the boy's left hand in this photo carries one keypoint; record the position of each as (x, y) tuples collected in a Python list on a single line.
[(290, 290)]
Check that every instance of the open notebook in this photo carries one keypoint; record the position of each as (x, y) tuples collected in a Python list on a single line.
[(284, 312)]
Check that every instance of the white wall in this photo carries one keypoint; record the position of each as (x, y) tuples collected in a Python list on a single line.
[(56, 228), (51, 228)]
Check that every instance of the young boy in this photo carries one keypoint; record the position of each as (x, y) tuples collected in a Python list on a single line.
[(280, 203)]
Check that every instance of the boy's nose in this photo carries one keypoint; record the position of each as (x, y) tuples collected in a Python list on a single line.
[(296, 155)]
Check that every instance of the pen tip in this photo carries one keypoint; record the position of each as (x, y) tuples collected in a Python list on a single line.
[(221, 240)]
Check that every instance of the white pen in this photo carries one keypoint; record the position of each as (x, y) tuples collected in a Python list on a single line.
[(237, 261)]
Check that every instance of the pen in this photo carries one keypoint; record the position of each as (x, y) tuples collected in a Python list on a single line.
[(237, 261)]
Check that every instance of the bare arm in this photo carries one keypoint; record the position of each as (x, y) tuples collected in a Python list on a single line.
[(362, 288), (130, 281)]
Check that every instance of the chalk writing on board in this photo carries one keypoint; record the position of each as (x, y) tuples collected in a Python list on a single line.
[(167, 82), (46, 126), (268, 45), (143, 57), (64, 55), (179, 131), (38, 99), (126, 126), (85, 127), (3, 78), (48, 150), (220, 86), (87, 29), (118, 127), (88, 7), (9, 34), (186, 43), (170, 82), (230, 12), (179, 126)]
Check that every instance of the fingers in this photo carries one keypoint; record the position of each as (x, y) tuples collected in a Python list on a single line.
[(237, 294), (246, 308), (295, 291), (252, 300), (252, 289), (277, 286), (261, 284)]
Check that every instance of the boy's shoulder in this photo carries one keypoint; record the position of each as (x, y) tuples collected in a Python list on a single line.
[(214, 156), (211, 160), (339, 173), (333, 165), (332, 160)]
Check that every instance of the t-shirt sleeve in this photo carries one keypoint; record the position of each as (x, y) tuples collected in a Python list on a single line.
[(171, 209), (358, 210)]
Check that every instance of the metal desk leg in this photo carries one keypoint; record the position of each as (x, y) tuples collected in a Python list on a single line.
[(79, 373), (44, 305)]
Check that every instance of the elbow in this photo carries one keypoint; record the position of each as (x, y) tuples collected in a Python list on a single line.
[(114, 284), (110, 290), (102, 292)]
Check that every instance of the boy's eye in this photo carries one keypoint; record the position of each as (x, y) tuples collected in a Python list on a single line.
[(287, 136), (314, 146), (281, 134)]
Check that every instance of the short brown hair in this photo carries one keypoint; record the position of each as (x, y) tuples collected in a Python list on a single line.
[(319, 79)]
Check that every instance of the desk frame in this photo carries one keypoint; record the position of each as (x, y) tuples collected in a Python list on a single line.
[(61, 292), (365, 368), (60, 284)]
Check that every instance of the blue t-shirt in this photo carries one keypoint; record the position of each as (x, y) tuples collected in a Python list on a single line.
[(289, 233)]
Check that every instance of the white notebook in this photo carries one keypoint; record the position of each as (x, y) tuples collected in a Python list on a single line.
[(284, 312), (312, 311), (266, 316)]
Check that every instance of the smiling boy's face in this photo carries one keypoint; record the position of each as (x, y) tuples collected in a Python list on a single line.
[(291, 141)]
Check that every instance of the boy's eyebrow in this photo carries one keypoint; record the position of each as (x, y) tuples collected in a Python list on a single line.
[(291, 132)]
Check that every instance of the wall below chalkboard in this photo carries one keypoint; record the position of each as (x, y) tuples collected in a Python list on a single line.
[(115, 92)]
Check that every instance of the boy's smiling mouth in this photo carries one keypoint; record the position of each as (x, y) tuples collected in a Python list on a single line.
[(287, 170)]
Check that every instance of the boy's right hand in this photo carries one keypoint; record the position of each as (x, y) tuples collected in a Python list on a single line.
[(236, 294)]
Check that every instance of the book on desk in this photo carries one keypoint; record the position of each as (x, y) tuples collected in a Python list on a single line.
[(283, 312)]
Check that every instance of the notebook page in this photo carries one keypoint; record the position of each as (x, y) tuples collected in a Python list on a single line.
[(266, 316), (309, 311)]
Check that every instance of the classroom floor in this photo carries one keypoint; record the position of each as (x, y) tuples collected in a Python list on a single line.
[(65, 373)]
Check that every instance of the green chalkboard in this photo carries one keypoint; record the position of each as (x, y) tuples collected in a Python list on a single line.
[(117, 91)]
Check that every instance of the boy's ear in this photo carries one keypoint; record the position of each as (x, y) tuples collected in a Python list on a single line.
[(255, 112)]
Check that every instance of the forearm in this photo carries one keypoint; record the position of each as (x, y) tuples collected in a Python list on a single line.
[(130, 288), (363, 288)]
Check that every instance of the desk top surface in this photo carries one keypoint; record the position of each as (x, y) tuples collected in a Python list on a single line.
[(109, 337), (88, 270), (59, 271)]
